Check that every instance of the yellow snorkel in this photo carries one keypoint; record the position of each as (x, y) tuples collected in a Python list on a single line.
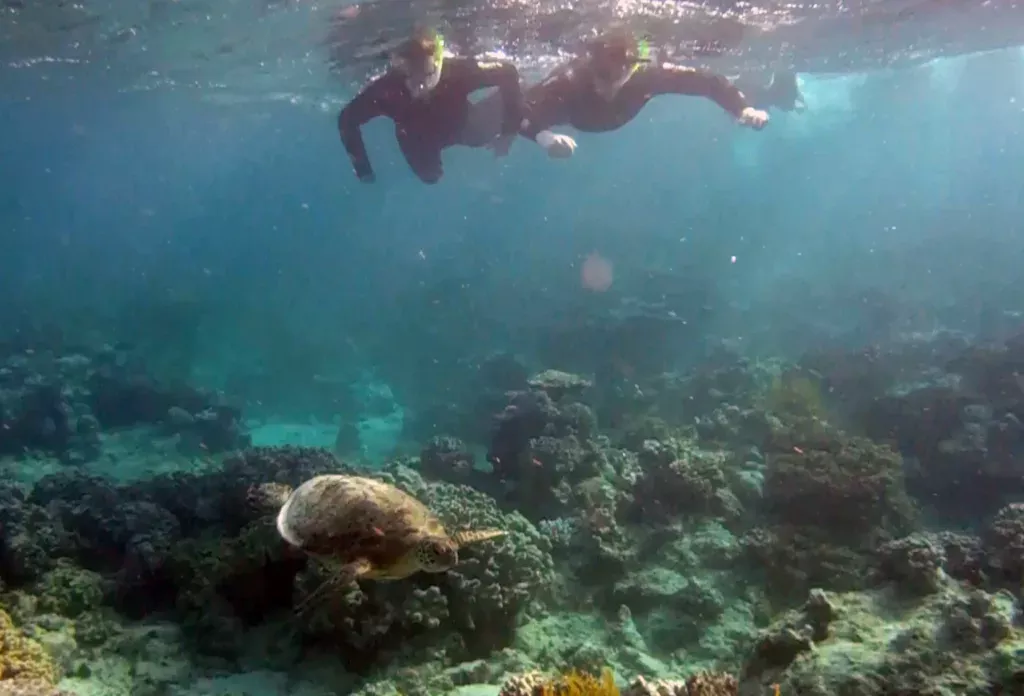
[(615, 59)]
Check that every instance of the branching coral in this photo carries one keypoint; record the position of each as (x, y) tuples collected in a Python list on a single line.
[(636, 430), (492, 584), (539, 448), (851, 487), (30, 537), (22, 659), (372, 618), (831, 501), (694, 486), (1004, 544), (31, 687), (557, 384), (69, 590), (448, 459), (710, 684), (913, 564), (792, 560), (581, 684), (572, 683)]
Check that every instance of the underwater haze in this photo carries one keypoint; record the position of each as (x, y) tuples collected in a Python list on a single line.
[(700, 411)]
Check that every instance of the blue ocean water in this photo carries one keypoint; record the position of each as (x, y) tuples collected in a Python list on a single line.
[(245, 218), (222, 242)]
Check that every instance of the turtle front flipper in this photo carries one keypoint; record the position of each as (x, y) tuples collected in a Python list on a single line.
[(338, 576), (472, 536)]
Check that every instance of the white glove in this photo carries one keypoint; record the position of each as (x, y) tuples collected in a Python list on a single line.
[(754, 118), (556, 144)]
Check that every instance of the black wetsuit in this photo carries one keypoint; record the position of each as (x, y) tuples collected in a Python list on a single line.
[(568, 96), (426, 126)]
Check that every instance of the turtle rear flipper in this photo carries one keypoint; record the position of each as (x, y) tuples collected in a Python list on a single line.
[(267, 498), (338, 576), (472, 536)]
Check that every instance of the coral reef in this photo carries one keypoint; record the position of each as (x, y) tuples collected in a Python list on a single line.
[(474, 609), (583, 684), (62, 403), (829, 501), (491, 587), (557, 384), (540, 449), (191, 544), (695, 486), (873, 644), (735, 519), (448, 459), (850, 488), (913, 564), (30, 539), (1004, 544), (22, 660), (956, 410)]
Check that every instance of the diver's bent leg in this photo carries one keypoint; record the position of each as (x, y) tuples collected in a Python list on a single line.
[(423, 159)]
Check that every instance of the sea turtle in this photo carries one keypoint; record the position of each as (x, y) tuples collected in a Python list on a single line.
[(363, 528)]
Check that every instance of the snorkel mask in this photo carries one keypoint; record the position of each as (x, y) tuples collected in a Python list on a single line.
[(420, 59), (615, 60)]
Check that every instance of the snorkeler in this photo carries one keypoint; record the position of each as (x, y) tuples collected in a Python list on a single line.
[(608, 87), (426, 93), (782, 91)]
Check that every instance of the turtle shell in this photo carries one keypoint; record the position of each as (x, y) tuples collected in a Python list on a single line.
[(348, 518)]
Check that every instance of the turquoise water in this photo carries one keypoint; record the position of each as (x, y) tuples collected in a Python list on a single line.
[(246, 219)]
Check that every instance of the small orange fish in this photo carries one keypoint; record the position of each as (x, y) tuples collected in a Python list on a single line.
[(775, 689), (347, 13), (537, 462), (798, 451)]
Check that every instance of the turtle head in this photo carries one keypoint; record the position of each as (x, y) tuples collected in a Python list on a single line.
[(437, 554)]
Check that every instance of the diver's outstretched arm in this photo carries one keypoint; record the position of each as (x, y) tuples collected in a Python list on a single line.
[(365, 106), (668, 78)]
